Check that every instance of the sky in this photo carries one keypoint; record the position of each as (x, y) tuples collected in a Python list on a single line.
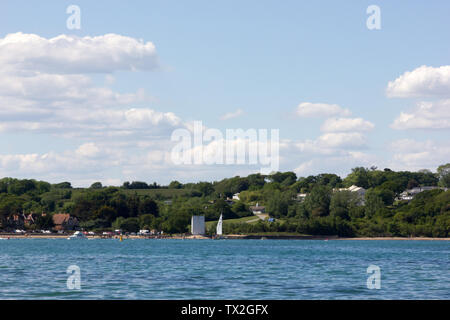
[(101, 103)]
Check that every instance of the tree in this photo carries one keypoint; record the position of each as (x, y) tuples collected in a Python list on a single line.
[(373, 203), (96, 185), (147, 221), (148, 206), (83, 209), (221, 207), (205, 188), (175, 185), (444, 175), (45, 222), (63, 185), (106, 213), (240, 209), (359, 177), (9, 204), (177, 222), (278, 203), (126, 225), (342, 203), (318, 201)]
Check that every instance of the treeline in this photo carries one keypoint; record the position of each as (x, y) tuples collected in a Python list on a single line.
[(323, 211)]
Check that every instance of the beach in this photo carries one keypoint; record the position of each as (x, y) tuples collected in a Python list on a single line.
[(227, 237)]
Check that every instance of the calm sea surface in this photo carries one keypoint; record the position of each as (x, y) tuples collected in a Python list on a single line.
[(224, 269)]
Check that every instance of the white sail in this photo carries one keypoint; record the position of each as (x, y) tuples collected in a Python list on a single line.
[(219, 226)]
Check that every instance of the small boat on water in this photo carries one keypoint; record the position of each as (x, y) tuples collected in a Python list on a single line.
[(219, 228), (78, 235)]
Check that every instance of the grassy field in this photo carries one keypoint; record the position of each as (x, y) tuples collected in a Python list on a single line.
[(165, 193), (250, 219)]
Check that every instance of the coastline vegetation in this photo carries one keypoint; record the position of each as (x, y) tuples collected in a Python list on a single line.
[(325, 209)]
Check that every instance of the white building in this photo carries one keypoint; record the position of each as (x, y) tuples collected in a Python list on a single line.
[(301, 197), (258, 209), (408, 195), (236, 196), (198, 225), (361, 192)]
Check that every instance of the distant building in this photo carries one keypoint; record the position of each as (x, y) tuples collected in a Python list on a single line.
[(258, 209), (300, 197), (198, 225), (236, 196), (16, 221), (29, 219), (64, 221), (408, 195), (361, 192)]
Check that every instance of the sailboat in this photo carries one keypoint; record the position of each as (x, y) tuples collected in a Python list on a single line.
[(219, 228)]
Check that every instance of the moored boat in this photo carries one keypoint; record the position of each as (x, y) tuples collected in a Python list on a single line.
[(78, 235)]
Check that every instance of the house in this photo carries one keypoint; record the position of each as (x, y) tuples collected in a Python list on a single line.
[(408, 195), (64, 221), (300, 197), (360, 191), (236, 196), (258, 209), (29, 219), (16, 221), (229, 201)]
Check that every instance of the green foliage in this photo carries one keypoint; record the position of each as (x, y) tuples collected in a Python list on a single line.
[(342, 204), (126, 225), (318, 201), (44, 222), (444, 175), (324, 211), (96, 185), (63, 185), (175, 185)]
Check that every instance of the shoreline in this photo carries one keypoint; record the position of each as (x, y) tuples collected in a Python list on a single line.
[(5, 236)]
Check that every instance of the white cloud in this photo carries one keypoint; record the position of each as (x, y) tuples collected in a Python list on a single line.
[(42, 88), (342, 140), (304, 168), (308, 109), (346, 124), (232, 115), (410, 154), (71, 54), (423, 81), (88, 150), (426, 115), (339, 163)]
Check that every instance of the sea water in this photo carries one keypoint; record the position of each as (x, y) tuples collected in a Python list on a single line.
[(224, 269)]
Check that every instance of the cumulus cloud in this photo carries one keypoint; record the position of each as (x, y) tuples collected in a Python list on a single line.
[(71, 54), (346, 124), (411, 154), (340, 163), (331, 144), (44, 87), (308, 109), (342, 140), (426, 115), (232, 115), (88, 150), (423, 81)]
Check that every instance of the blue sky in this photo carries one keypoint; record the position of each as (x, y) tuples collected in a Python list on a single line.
[(263, 58)]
